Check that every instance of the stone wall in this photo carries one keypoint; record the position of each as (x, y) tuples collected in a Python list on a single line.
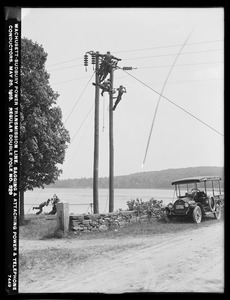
[(100, 222)]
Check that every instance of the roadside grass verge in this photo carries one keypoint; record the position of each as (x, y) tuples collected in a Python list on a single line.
[(38, 227), (149, 228), (49, 258)]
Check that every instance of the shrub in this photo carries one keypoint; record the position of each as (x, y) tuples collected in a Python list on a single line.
[(152, 208)]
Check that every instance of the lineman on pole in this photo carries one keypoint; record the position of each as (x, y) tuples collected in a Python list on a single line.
[(106, 64), (121, 90), (105, 86)]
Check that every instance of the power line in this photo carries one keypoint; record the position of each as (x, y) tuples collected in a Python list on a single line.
[(63, 62), (166, 98), (79, 98), (173, 54), (134, 50), (180, 81), (144, 57), (74, 79), (181, 65), (144, 67), (167, 46), (74, 66), (162, 90), (82, 122), (81, 136)]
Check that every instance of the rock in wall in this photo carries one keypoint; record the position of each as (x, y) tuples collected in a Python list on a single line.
[(100, 222)]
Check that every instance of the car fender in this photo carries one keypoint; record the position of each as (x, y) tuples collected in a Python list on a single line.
[(192, 203), (200, 205)]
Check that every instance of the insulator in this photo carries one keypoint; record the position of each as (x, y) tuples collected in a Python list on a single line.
[(127, 68), (85, 60), (93, 58)]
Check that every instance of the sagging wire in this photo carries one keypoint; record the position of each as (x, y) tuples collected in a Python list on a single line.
[(178, 106), (82, 135), (79, 98), (159, 99)]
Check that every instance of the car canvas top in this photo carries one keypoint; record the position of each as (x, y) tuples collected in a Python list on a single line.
[(195, 179)]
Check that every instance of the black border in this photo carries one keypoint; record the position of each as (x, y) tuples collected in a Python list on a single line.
[(8, 206), (12, 42)]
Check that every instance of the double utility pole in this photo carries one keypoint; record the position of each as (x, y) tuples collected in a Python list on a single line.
[(95, 60)]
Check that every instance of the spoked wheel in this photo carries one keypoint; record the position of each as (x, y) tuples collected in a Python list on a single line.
[(217, 212), (212, 204), (197, 215)]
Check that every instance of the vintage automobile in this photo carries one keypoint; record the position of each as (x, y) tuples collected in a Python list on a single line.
[(196, 197)]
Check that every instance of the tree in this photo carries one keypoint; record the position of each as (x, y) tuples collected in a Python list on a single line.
[(43, 138)]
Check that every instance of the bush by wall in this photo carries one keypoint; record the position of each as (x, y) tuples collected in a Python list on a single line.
[(152, 208), (138, 211)]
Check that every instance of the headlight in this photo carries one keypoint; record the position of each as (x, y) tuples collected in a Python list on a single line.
[(170, 206), (186, 204)]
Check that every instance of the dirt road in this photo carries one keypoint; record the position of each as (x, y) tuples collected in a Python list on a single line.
[(187, 261)]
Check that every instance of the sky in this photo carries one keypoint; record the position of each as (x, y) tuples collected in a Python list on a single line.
[(149, 40)]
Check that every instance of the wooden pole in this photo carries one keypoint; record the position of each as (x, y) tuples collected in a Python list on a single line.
[(111, 148), (96, 141)]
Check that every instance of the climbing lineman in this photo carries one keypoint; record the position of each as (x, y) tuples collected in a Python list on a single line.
[(121, 90), (108, 61), (105, 86)]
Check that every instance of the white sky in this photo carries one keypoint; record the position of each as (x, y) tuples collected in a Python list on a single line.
[(135, 35)]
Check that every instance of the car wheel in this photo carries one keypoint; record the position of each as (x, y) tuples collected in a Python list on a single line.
[(217, 212), (166, 216), (211, 204), (197, 215)]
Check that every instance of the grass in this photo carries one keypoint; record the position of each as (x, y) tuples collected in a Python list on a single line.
[(49, 258), (149, 228), (37, 227)]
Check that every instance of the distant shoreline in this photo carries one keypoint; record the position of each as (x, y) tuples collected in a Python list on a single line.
[(142, 180)]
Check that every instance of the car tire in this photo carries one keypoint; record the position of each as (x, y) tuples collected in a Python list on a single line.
[(217, 212), (197, 215), (211, 204), (167, 218)]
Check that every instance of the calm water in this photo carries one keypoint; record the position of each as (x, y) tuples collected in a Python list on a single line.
[(79, 199)]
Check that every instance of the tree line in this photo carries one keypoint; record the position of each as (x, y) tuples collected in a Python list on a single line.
[(142, 180)]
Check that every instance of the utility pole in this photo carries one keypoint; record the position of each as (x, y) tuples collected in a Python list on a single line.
[(95, 60), (111, 147), (96, 140), (111, 142)]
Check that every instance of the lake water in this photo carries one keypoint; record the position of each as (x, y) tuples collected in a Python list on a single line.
[(79, 199)]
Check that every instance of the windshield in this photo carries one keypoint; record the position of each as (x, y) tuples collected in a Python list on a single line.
[(208, 187)]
